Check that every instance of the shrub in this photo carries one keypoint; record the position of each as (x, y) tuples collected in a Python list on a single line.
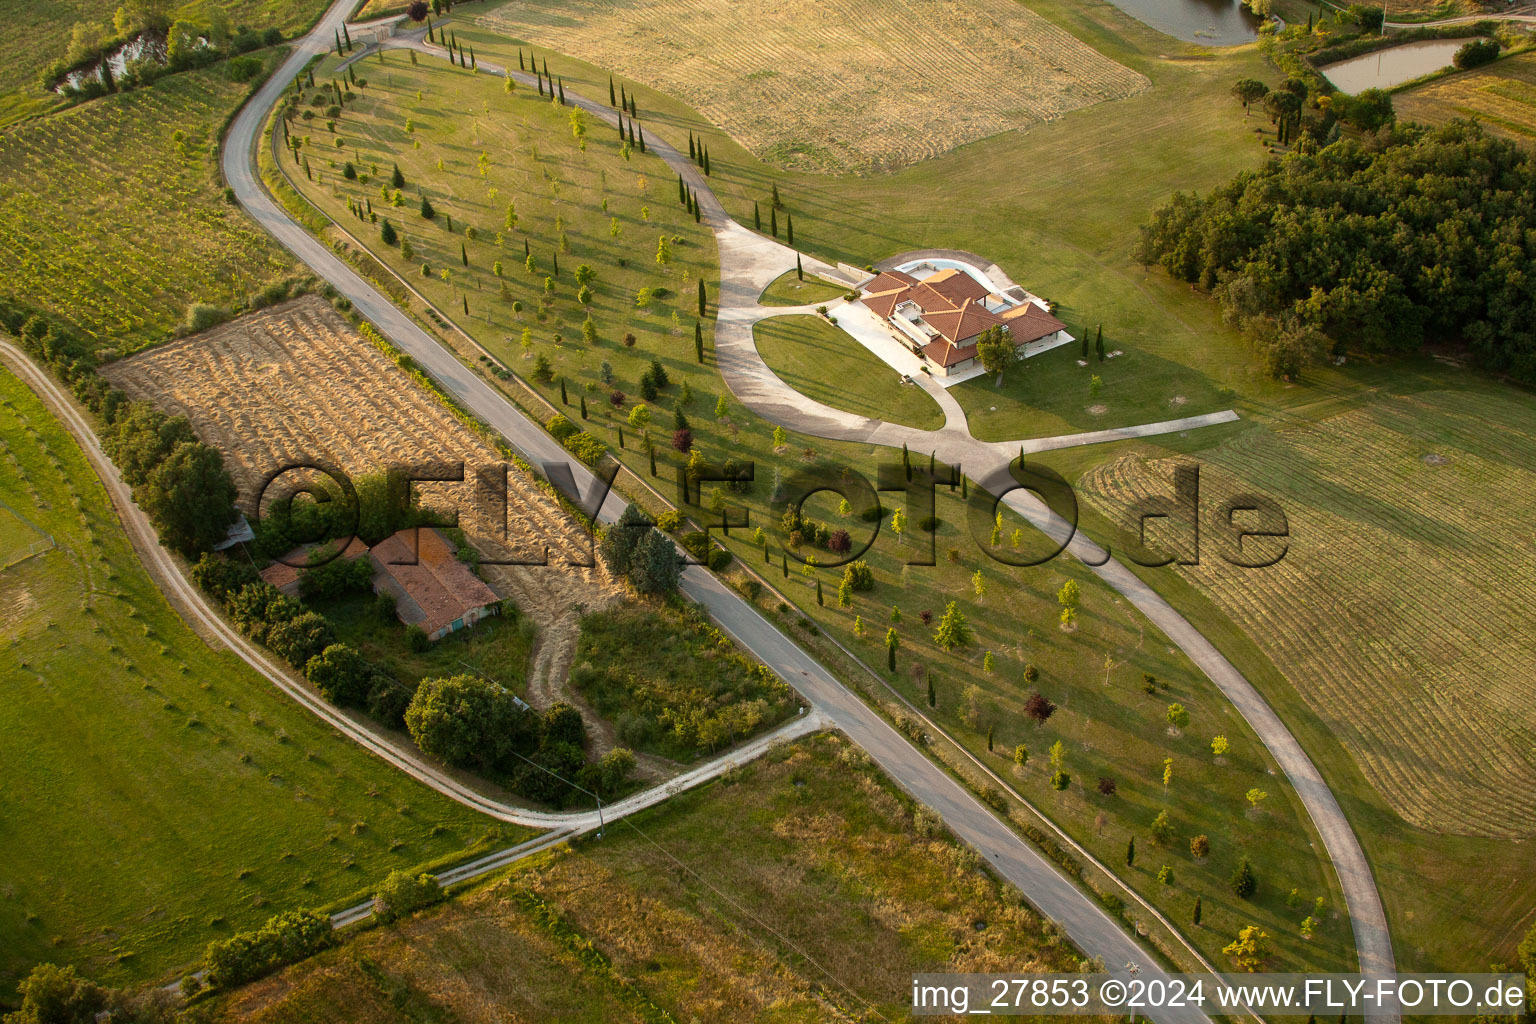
[(859, 575), (929, 524), (696, 543), (285, 939), (243, 69), (416, 639), (561, 427), (588, 449), (401, 894), (387, 701), (1477, 52), (340, 674), (202, 315), (719, 559), (669, 520)]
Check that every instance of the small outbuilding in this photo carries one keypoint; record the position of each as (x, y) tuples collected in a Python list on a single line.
[(431, 587)]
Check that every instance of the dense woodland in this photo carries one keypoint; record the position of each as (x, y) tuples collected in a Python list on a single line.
[(1411, 236)]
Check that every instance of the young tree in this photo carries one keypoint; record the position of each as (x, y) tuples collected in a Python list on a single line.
[(387, 232), (1162, 829), (1178, 717), (1243, 883), (1219, 746), (663, 250), (892, 641), (1255, 796), (1250, 949), (1040, 708), (426, 208), (1195, 917), (1200, 847), (702, 297), (1130, 852), (953, 630)]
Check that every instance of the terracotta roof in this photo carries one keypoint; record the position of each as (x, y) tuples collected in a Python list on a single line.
[(964, 323), (884, 304), (1031, 323), (956, 286), (284, 573), (434, 591), (889, 280)]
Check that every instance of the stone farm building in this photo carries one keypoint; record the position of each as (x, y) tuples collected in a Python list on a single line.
[(431, 587), (942, 315)]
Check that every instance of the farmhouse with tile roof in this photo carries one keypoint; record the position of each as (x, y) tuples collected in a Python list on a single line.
[(942, 315), (431, 587)]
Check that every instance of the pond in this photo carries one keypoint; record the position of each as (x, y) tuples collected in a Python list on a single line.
[(1213, 22), (1386, 68)]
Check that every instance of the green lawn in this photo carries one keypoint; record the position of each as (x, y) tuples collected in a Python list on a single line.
[(803, 887), (1113, 730), (498, 647), (789, 289), (159, 794), (824, 363), (112, 213)]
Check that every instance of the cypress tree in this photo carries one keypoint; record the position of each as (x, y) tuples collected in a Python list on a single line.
[(818, 593), (1085, 342), (773, 221), (556, 264), (621, 127), (786, 567), (890, 657), (682, 195), (989, 739), (906, 460), (642, 138), (311, 177), (767, 558), (696, 214), (698, 340), (1130, 852), (623, 100), (1196, 916), (473, 64), (612, 102), (757, 217), (933, 696), (621, 438), (346, 36), (701, 297), (653, 462), (311, 78), (1099, 343), (631, 139), (706, 163), (562, 92), (520, 66), (540, 80), (526, 253), (776, 202), (338, 44), (397, 180), (466, 304), (799, 270), (546, 69), (692, 155), (449, 217), (463, 254), (563, 399), (583, 406), (789, 228), (632, 111)]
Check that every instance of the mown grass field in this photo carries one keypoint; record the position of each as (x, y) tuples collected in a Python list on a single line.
[(824, 363), (1500, 96), (829, 892), (112, 213), (838, 88), (168, 795), (1112, 729)]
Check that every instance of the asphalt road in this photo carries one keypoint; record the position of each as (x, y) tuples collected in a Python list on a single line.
[(1088, 926)]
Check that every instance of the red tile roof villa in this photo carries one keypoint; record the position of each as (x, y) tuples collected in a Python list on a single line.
[(942, 315)]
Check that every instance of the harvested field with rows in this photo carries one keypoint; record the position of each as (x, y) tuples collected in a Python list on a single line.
[(112, 213), (296, 384), (843, 86), (1401, 612), (1501, 96)]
